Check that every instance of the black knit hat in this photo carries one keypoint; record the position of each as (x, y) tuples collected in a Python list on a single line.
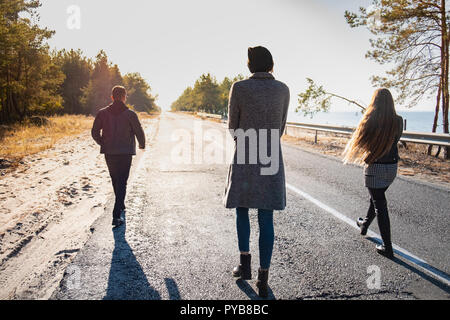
[(259, 60)]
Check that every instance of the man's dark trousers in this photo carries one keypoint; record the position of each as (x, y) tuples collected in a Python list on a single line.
[(119, 170)]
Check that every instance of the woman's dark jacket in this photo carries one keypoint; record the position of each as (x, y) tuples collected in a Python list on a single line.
[(392, 156)]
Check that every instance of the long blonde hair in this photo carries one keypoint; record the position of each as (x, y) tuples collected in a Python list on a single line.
[(376, 132)]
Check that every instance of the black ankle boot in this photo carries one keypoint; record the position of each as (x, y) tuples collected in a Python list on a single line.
[(388, 252), (244, 270), (385, 229), (262, 283), (362, 226)]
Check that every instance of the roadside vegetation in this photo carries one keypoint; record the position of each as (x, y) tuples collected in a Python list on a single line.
[(411, 36), (37, 81), (207, 95), (46, 95), (37, 134)]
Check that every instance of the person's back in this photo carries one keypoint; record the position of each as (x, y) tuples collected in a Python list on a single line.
[(258, 106), (119, 127), (115, 128), (392, 156), (260, 97), (257, 113)]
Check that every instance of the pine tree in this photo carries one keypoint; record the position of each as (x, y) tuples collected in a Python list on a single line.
[(413, 35), (29, 78), (139, 93), (97, 94), (77, 70), (207, 95)]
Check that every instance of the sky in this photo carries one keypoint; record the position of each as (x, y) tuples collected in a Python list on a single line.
[(172, 42)]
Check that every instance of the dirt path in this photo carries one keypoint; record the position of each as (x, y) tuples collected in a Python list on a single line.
[(47, 208)]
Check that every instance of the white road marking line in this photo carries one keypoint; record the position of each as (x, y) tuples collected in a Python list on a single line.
[(422, 264), (441, 276)]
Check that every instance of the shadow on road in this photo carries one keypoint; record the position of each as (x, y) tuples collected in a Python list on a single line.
[(172, 288), (420, 273), (248, 290), (127, 280)]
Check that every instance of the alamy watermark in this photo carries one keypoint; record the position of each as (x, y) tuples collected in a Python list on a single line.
[(74, 19), (72, 280), (374, 280), (213, 146)]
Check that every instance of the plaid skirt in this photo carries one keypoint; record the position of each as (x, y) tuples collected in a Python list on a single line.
[(378, 176)]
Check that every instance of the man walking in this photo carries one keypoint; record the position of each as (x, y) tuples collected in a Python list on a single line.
[(115, 128)]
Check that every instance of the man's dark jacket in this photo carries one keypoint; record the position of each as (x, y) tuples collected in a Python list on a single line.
[(114, 130)]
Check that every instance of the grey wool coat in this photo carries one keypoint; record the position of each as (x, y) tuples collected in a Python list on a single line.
[(259, 104)]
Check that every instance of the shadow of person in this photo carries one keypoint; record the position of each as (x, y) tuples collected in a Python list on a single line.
[(172, 289), (432, 270), (248, 290), (127, 280)]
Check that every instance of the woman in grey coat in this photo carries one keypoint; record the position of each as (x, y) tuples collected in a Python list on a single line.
[(257, 115)]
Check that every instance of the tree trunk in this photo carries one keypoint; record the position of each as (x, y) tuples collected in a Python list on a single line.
[(436, 116), (3, 107), (445, 73), (9, 100), (438, 152)]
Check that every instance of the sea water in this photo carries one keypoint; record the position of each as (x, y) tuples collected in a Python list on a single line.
[(418, 121)]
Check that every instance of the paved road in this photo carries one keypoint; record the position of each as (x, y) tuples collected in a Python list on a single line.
[(179, 241)]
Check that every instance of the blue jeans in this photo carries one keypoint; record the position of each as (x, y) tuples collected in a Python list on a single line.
[(266, 234)]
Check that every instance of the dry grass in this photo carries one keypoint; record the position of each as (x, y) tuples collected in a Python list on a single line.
[(20, 140), (207, 118), (210, 119), (151, 115), (195, 115)]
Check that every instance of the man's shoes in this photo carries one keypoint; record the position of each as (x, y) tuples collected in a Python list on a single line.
[(117, 222)]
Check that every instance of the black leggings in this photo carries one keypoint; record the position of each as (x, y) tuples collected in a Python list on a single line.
[(377, 194), (378, 208)]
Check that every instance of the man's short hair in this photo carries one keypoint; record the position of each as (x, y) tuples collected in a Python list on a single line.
[(118, 93)]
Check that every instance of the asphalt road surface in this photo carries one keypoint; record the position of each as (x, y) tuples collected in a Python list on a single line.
[(179, 242)]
